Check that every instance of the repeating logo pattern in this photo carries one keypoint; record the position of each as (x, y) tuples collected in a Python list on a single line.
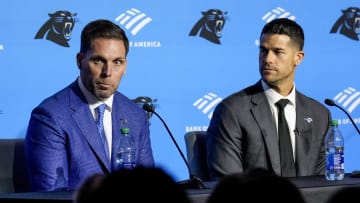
[(349, 98), (210, 26), (58, 28), (133, 20), (207, 103), (277, 13), (348, 24)]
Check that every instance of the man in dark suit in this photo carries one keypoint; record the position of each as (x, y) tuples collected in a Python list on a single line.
[(63, 141), (243, 130)]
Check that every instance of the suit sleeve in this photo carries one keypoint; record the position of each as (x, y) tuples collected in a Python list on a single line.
[(45, 151), (146, 154), (223, 143), (320, 167)]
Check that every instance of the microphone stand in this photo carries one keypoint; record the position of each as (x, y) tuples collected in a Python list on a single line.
[(329, 102), (194, 182), (332, 103)]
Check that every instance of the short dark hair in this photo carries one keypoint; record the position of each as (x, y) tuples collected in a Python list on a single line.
[(285, 26), (102, 29)]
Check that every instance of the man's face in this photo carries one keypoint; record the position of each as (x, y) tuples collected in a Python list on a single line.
[(103, 66), (278, 58)]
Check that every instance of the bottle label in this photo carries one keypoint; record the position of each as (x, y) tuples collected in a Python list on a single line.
[(335, 161), (127, 165), (125, 159), (330, 162)]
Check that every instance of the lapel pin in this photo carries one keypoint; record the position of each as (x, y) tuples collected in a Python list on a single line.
[(308, 120)]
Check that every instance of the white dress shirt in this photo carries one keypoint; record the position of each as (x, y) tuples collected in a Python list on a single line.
[(290, 109), (93, 104)]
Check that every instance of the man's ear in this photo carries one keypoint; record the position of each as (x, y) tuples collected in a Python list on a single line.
[(299, 56), (79, 58)]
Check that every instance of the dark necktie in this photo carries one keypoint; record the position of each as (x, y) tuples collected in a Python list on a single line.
[(286, 152), (99, 122)]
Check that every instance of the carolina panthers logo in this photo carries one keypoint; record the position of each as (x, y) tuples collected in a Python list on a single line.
[(348, 23), (58, 28), (210, 25)]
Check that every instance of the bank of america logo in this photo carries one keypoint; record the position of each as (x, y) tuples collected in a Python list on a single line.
[(207, 103), (273, 14), (277, 13), (133, 20), (349, 98)]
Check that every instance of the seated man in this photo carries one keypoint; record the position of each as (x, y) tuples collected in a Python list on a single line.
[(270, 124), (74, 133)]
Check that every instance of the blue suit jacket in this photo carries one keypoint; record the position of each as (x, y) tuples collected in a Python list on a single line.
[(62, 137)]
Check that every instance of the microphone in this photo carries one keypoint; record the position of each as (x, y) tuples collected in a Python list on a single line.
[(194, 182), (330, 102), (297, 132)]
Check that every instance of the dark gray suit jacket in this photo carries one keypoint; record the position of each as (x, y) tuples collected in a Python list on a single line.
[(242, 135)]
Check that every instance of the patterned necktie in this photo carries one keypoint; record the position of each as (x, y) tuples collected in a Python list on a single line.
[(100, 111), (286, 152)]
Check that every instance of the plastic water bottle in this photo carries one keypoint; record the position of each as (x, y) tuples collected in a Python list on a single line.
[(125, 156), (334, 149)]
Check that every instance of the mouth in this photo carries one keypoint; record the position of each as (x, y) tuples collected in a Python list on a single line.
[(103, 86), (267, 68), (267, 71)]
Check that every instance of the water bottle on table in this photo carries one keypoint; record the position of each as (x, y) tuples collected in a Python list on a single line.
[(125, 156), (334, 149)]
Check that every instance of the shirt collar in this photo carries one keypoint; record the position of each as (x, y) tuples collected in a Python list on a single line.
[(273, 96), (92, 100)]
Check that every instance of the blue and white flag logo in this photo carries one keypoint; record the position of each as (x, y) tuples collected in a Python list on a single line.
[(349, 99), (207, 103), (133, 20)]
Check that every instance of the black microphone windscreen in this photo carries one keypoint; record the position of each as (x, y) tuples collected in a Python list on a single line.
[(332, 103), (148, 108), (329, 102)]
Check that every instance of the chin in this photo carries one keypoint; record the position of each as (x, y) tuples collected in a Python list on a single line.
[(266, 78), (102, 95)]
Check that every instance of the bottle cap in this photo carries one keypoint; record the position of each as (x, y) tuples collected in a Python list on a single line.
[(334, 122), (125, 130)]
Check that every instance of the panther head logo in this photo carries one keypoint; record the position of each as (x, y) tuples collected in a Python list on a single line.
[(210, 25), (58, 28), (348, 23)]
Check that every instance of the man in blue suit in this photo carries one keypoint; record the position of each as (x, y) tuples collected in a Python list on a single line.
[(63, 141)]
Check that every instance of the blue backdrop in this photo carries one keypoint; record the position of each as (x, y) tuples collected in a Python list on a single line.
[(187, 74)]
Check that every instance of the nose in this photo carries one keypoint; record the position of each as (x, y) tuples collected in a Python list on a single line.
[(106, 70), (268, 57)]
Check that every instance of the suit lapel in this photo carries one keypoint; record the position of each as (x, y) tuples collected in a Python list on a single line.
[(304, 128), (116, 120), (119, 120), (265, 121), (84, 119)]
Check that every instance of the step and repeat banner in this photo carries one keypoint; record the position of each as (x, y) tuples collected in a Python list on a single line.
[(185, 57)]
